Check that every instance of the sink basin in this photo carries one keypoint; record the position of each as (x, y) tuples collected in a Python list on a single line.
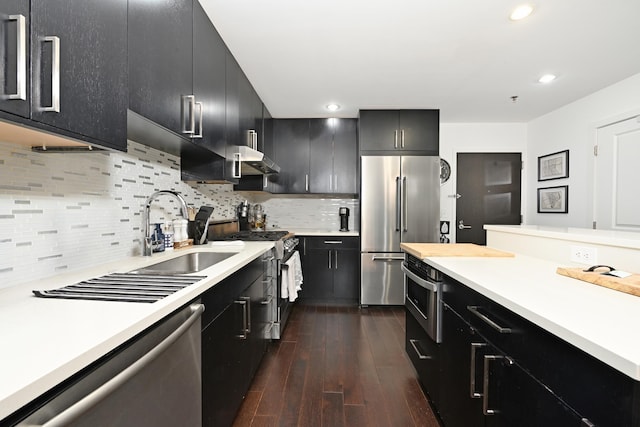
[(187, 263)]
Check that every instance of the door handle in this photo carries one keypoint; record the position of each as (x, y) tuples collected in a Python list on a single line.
[(55, 73), (21, 60), (461, 225)]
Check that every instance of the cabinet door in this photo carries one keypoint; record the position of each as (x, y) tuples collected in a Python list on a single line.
[(250, 111), (91, 45), (419, 131), (346, 274), (379, 130), (318, 275), (232, 104), (160, 59), (345, 156), (209, 69), (321, 174), (291, 138), (14, 54)]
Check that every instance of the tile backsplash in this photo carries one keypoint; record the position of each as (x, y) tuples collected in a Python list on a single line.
[(62, 212)]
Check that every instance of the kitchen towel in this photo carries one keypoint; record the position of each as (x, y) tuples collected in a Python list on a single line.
[(291, 277)]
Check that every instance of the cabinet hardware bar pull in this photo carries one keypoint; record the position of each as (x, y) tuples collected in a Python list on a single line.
[(200, 109), (188, 110), (488, 358), (243, 303), (405, 204), (398, 203), (402, 138), (268, 300), (236, 172), (74, 412), (336, 253), (472, 369), (21, 60), (415, 348), (330, 182), (329, 255), (395, 138), (306, 182), (335, 183), (264, 181), (55, 73), (475, 310), (333, 242), (248, 300)]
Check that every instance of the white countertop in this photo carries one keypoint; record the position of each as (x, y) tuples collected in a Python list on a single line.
[(44, 341), (600, 321)]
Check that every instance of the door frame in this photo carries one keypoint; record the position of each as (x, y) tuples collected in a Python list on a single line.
[(449, 189)]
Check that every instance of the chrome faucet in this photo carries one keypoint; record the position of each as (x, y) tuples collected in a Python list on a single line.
[(147, 244)]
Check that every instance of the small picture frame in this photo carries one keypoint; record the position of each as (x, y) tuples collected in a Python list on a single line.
[(553, 166), (553, 199)]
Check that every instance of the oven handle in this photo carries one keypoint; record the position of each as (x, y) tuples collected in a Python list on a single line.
[(427, 284), (415, 306)]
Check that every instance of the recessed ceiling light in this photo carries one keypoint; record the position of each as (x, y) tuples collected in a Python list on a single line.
[(333, 107), (547, 78), (521, 12)]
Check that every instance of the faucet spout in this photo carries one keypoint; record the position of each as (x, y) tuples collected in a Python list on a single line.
[(147, 244)]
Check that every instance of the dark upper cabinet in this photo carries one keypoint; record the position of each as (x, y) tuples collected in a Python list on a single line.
[(69, 64), (14, 54), (400, 131), (315, 155), (161, 63)]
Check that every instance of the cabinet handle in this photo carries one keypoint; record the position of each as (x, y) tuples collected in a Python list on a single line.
[(200, 109), (248, 305), (306, 182), (415, 348), (335, 183), (402, 138), (472, 369), (55, 73), (21, 59), (268, 300), (265, 181), (329, 254), (330, 182), (395, 138), (405, 204), (336, 253), (237, 171), (488, 358), (243, 303), (188, 110), (333, 242), (501, 329)]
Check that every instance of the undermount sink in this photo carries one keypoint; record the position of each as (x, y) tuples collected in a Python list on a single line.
[(187, 263)]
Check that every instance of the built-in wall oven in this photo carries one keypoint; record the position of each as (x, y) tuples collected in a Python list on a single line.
[(423, 301)]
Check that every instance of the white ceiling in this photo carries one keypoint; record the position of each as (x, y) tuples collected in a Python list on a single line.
[(464, 57)]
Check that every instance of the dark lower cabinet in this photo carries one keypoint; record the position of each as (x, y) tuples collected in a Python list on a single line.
[(331, 269), (233, 342)]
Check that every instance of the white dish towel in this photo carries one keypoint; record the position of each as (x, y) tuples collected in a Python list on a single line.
[(291, 277)]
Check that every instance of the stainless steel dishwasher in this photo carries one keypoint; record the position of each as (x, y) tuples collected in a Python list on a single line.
[(154, 381)]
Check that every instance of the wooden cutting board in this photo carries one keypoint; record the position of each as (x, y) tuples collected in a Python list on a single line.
[(424, 250), (628, 285)]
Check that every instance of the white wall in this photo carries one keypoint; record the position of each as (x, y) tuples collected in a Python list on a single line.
[(472, 138), (573, 127)]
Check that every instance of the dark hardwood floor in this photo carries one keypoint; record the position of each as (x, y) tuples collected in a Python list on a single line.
[(338, 366)]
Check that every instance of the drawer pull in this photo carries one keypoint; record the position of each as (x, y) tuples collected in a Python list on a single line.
[(333, 242), (415, 348), (485, 383), (472, 369), (267, 300), (501, 329)]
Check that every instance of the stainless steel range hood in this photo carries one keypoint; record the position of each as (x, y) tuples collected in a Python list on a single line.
[(253, 162)]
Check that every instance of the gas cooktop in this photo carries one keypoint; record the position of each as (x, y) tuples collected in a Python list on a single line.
[(256, 235)]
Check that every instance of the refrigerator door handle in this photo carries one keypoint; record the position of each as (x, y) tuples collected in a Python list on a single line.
[(405, 204), (398, 203)]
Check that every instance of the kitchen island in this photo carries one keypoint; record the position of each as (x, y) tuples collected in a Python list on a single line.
[(45, 341)]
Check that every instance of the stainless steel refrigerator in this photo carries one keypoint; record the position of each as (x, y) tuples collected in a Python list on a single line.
[(399, 202)]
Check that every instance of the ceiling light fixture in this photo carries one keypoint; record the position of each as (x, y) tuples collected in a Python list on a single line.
[(547, 78), (521, 12), (333, 107)]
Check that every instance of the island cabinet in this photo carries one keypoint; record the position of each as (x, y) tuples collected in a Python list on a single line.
[(331, 269), (234, 340), (64, 69), (496, 368), (389, 132), (317, 156)]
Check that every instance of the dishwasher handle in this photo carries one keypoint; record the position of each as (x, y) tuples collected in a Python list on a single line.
[(76, 410)]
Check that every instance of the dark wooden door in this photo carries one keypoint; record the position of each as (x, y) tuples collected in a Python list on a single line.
[(321, 155), (345, 156), (209, 69), (92, 67), (489, 189), (16, 92), (291, 138), (160, 59)]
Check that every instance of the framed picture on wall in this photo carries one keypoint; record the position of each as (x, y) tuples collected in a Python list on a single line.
[(553, 166), (553, 199)]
